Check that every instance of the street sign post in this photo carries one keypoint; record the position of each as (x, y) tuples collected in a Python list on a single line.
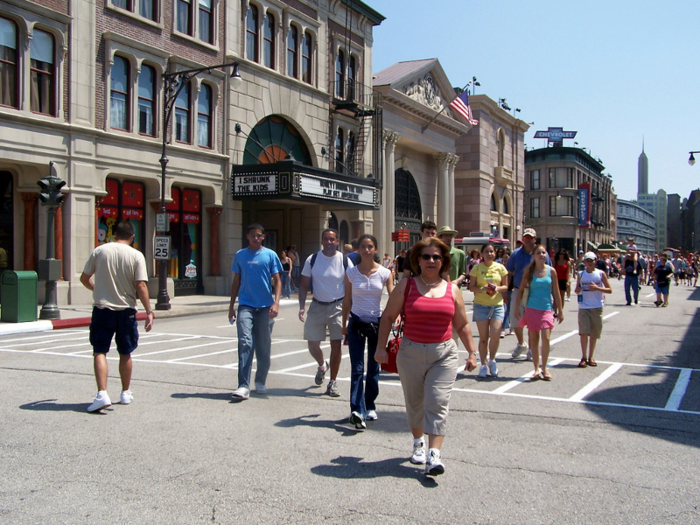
[(162, 222), (161, 248)]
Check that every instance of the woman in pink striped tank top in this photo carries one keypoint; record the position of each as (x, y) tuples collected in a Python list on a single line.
[(427, 360)]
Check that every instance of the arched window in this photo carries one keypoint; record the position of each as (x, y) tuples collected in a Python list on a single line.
[(251, 34), (339, 154), (272, 140), (182, 115), (119, 96), (505, 205), (350, 153), (340, 74), (352, 77), (333, 222), (344, 232), (204, 113), (493, 203), (206, 32), (43, 80), (292, 46), (306, 49), (147, 100), (269, 41), (408, 204), (8, 64)]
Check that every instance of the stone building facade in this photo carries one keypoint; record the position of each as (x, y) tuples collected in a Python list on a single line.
[(637, 222)]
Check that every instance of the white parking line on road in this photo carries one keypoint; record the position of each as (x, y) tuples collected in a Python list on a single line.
[(674, 400), (590, 387), (53, 334)]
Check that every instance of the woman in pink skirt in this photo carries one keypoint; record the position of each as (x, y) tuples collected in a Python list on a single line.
[(542, 306)]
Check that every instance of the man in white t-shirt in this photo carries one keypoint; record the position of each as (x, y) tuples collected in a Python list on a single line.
[(325, 271), (120, 277)]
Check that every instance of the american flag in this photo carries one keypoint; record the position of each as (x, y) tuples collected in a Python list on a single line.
[(461, 105)]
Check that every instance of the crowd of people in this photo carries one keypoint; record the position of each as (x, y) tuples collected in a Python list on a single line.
[(512, 291)]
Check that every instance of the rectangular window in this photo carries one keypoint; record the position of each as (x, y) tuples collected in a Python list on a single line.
[(147, 82), (42, 73), (204, 117), (182, 115), (535, 207), (251, 34), (306, 49), (147, 9), (561, 206), (352, 77), (340, 75), (119, 94), (206, 32), (8, 64), (184, 16), (269, 41), (535, 180), (122, 4), (292, 46), (561, 177)]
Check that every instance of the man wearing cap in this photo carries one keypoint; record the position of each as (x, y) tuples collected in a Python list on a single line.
[(519, 260), (458, 270), (427, 229)]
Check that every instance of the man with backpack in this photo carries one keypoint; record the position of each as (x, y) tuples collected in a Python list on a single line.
[(325, 272)]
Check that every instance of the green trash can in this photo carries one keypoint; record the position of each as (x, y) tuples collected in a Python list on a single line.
[(19, 297)]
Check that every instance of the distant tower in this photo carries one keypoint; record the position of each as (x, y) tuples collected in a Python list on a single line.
[(642, 173)]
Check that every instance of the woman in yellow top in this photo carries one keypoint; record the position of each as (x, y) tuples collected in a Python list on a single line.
[(488, 280)]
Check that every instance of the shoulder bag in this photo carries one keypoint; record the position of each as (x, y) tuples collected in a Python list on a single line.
[(392, 347)]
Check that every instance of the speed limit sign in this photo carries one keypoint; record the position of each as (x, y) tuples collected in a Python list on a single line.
[(161, 248)]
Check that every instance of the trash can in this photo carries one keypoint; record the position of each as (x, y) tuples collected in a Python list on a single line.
[(19, 297)]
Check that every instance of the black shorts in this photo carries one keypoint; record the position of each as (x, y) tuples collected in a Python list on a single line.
[(562, 284), (108, 323)]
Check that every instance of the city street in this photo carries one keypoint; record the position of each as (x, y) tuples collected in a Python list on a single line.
[(617, 443)]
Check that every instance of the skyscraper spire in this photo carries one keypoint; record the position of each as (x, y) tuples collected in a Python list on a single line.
[(642, 173)]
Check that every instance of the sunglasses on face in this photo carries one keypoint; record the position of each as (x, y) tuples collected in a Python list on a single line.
[(256, 235), (428, 257)]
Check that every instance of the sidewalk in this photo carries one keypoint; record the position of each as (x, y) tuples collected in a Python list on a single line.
[(76, 316)]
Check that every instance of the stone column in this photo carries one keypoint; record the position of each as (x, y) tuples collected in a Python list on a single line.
[(452, 161), (444, 195), (214, 213), (29, 200), (389, 193)]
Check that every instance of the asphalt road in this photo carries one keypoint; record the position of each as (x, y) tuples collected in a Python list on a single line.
[(613, 444)]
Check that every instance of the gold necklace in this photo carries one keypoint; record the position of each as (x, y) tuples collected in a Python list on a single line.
[(429, 284)]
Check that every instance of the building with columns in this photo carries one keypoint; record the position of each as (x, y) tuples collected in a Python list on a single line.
[(420, 155), (489, 176)]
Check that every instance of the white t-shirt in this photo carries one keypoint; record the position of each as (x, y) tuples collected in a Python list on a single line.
[(367, 293), (116, 267), (595, 299), (328, 276)]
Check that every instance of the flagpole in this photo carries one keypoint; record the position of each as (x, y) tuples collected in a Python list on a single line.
[(444, 108)]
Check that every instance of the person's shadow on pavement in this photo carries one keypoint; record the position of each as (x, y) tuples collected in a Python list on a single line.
[(349, 467)]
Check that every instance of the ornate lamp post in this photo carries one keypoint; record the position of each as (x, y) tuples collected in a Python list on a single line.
[(172, 85), (50, 268)]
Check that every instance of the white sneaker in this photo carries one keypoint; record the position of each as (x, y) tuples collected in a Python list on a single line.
[(519, 349), (260, 388), (503, 334), (528, 356), (418, 457), (241, 393), (434, 466), (101, 401), (332, 389), (321, 373), (357, 421), (493, 368), (483, 371), (371, 415), (126, 397)]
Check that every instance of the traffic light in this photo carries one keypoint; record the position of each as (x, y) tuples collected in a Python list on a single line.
[(50, 194)]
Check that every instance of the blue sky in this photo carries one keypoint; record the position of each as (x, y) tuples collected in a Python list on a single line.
[(616, 71)]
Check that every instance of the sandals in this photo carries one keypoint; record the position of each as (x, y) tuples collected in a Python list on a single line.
[(591, 362), (583, 363), (546, 376), (535, 376)]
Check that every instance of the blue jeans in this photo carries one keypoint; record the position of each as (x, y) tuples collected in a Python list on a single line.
[(506, 319), (254, 335), (362, 399), (286, 286), (633, 282)]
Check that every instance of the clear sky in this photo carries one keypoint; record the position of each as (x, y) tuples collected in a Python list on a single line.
[(616, 71)]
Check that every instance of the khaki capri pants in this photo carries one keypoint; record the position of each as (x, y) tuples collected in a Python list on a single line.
[(427, 373)]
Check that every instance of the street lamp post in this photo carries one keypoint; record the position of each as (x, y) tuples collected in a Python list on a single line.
[(172, 85), (691, 160)]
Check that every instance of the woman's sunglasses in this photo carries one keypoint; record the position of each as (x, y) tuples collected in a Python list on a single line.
[(427, 257)]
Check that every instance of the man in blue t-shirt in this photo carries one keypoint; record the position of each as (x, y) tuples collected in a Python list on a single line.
[(254, 268), (518, 261)]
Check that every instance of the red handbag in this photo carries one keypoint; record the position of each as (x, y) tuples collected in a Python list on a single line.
[(392, 347)]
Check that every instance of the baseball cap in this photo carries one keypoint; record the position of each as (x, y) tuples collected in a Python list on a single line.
[(590, 255), (580, 252), (531, 232)]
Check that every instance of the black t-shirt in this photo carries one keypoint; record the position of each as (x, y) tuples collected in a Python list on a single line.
[(662, 273), (630, 267), (600, 264), (399, 263), (407, 262)]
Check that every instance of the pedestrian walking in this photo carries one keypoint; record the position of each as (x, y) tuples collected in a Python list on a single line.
[(662, 280), (325, 270), (591, 285), (632, 269), (487, 281), (116, 274), (361, 312), (293, 254), (542, 306), (427, 360), (563, 268), (286, 275), (257, 286)]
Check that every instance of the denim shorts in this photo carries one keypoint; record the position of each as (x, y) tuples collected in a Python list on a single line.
[(107, 323), (484, 313)]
